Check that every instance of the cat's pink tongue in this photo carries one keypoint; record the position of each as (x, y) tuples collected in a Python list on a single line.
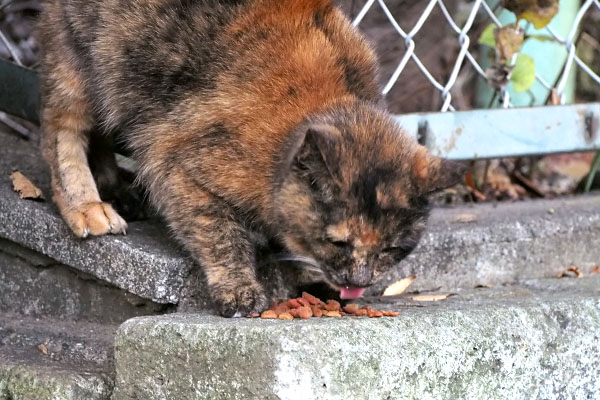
[(351, 293)]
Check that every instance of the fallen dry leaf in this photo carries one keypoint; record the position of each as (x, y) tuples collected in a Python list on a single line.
[(398, 287), (24, 187), (554, 97), (42, 347), (431, 297), (595, 271), (465, 218), (573, 270), (509, 40), (470, 181)]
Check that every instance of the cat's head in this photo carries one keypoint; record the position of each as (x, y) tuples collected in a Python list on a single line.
[(352, 194)]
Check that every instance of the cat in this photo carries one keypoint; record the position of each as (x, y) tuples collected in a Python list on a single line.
[(244, 116)]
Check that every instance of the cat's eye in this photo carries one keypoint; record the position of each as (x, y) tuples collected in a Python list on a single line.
[(394, 250), (340, 243)]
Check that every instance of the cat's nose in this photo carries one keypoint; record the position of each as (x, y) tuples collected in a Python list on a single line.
[(360, 276)]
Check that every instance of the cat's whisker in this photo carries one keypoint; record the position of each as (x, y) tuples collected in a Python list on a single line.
[(309, 264)]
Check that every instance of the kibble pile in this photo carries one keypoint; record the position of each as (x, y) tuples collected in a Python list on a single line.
[(309, 306)]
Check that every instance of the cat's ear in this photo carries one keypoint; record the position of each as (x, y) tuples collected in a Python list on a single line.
[(315, 148), (321, 148), (435, 173)]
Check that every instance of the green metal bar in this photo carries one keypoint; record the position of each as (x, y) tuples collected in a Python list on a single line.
[(592, 173), (19, 91), (512, 132)]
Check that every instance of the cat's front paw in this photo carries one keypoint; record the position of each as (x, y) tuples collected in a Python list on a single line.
[(240, 300)]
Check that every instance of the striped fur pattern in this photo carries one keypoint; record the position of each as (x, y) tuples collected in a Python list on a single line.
[(248, 118)]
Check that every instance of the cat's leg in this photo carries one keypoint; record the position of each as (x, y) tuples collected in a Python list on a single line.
[(219, 242), (66, 125), (114, 185)]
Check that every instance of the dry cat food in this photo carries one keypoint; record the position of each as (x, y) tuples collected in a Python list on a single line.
[(309, 306)]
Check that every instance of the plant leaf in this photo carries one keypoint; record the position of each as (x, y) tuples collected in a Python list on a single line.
[(25, 188), (509, 40), (523, 73), (398, 287), (487, 36), (431, 297), (538, 12), (541, 38)]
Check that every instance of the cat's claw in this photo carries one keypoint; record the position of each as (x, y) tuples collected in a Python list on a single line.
[(245, 300)]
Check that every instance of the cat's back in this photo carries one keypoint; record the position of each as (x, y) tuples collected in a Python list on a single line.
[(143, 58)]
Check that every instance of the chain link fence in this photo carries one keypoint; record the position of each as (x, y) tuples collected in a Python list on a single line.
[(448, 30), (432, 59), (466, 56)]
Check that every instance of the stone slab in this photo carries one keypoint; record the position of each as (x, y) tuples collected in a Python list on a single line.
[(23, 382), (537, 340), (31, 285), (491, 244), (75, 363), (145, 262)]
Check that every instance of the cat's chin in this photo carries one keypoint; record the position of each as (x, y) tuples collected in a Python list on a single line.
[(349, 292)]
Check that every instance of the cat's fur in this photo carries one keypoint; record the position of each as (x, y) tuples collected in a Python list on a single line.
[(244, 116)]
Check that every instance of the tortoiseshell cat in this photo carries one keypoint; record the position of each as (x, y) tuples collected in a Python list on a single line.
[(244, 116)]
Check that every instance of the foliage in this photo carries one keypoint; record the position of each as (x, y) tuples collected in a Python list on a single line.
[(508, 40)]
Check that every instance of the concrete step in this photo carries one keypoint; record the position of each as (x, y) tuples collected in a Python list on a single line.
[(539, 339), (52, 359), (35, 285), (463, 247)]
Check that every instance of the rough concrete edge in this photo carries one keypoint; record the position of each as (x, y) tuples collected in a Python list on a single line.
[(143, 262), (21, 381), (548, 316)]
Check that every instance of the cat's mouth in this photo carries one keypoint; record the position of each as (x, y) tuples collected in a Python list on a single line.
[(349, 292), (346, 292)]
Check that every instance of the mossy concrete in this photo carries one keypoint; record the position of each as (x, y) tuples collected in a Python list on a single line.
[(75, 362), (23, 382), (538, 340)]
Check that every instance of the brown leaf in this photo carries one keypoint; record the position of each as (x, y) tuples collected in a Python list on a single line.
[(509, 40), (554, 97), (42, 347), (465, 218), (431, 297), (24, 187), (398, 287), (575, 271), (497, 76), (470, 181), (538, 12), (595, 271)]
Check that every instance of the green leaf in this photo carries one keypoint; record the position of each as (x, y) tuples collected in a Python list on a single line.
[(541, 16), (538, 12), (523, 73), (487, 36), (541, 38)]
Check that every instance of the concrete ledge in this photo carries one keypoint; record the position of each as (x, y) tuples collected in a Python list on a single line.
[(145, 262), (32, 383), (539, 340), (76, 364), (32, 285), (502, 243)]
